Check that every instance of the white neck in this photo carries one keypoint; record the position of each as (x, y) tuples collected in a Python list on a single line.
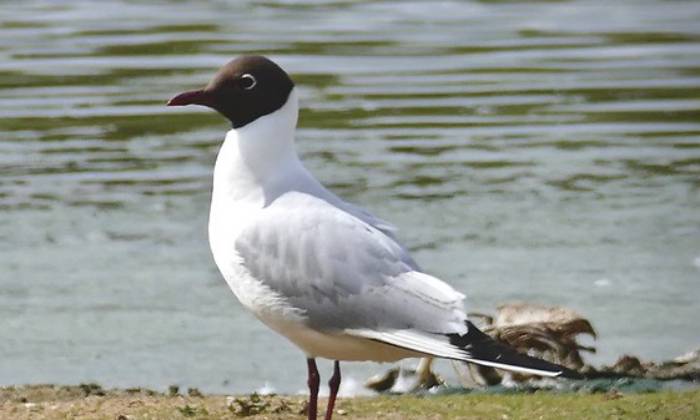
[(253, 156)]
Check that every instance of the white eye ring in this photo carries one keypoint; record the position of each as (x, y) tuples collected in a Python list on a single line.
[(252, 82)]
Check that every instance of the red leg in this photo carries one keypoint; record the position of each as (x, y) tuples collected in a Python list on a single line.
[(333, 384), (313, 381)]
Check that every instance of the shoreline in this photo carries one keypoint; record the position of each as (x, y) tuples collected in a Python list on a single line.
[(91, 401)]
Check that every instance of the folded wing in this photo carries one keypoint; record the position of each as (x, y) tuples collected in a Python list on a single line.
[(344, 273), (347, 276)]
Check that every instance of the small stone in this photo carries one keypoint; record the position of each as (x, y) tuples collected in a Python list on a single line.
[(194, 392), (341, 412), (173, 390)]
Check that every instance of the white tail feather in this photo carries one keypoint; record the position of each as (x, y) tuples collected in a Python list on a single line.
[(513, 368)]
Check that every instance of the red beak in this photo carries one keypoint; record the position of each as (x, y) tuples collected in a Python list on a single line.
[(192, 97)]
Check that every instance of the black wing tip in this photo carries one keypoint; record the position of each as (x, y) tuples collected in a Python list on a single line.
[(481, 347)]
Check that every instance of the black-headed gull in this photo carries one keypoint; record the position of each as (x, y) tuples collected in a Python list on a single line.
[(324, 273)]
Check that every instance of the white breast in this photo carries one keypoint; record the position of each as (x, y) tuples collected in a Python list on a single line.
[(248, 167)]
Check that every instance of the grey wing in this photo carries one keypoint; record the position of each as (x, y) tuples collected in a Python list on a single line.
[(344, 273), (382, 225), (309, 185)]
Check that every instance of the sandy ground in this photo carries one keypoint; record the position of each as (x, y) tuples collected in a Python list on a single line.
[(92, 402)]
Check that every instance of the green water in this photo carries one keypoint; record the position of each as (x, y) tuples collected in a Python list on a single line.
[(540, 151)]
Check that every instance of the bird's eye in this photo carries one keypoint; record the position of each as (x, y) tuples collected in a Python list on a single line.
[(248, 81)]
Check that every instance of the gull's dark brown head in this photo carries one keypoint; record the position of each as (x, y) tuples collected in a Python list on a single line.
[(243, 90)]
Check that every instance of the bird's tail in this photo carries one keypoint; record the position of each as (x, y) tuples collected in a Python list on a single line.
[(484, 350)]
